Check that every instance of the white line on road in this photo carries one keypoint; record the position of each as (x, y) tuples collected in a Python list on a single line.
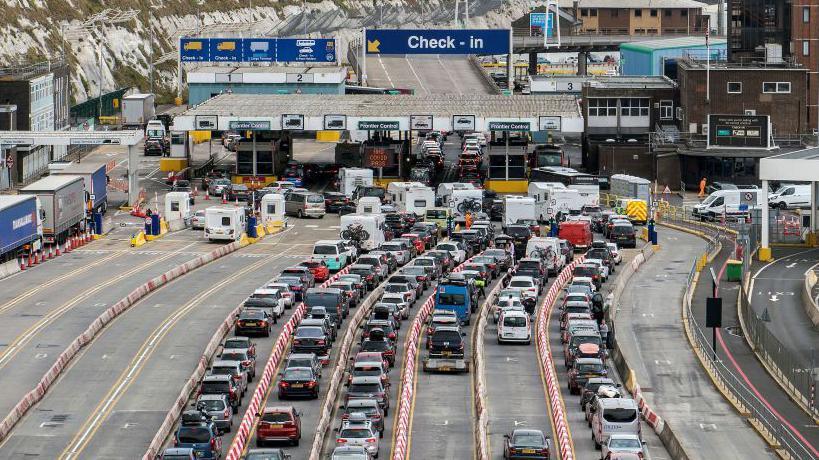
[(385, 71), (409, 63)]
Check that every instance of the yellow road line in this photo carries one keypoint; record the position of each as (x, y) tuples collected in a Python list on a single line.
[(137, 364)]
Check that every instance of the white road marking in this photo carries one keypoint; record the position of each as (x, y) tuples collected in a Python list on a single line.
[(311, 226), (41, 356), (385, 71), (409, 63)]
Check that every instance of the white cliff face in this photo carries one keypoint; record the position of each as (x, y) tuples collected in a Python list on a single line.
[(117, 55)]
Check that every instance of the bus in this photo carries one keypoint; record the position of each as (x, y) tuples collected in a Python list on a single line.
[(587, 184), (545, 155)]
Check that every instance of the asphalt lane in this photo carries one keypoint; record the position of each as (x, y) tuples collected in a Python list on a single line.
[(119, 343), (426, 74)]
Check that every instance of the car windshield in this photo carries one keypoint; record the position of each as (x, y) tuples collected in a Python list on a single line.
[(297, 374), (276, 417), (620, 415), (625, 443), (222, 370), (365, 388), (391, 300), (233, 356), (514, 321), (589, 368), (622, 229), (194, 434), (215, 387), (355, 433), (395, 288), (252, 314), (315, 199), (584, 271), (518, 232), (300, 362), (414, 270), (521, 283), (211, 405), (325, 249), (309, 332), (367, 371), (448, 247), (236, 343), (577, 340), (451, 299), (374, 345), (528, 439), (529, 264), (391, 247), (424, 262), (321, 299), (447, 336)]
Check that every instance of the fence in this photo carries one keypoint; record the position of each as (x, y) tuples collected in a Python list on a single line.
[(758, 412)]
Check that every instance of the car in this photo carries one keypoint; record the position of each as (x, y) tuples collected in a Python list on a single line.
[(623, 234), (303, 273), (370, 408), (623, 443), (615, 253), (218, 187), (401, 253), (310, 360), (233, 369), (178, 453), (582, 370), (371, 387), (380, 343), (455, 249), (405, 289), (401, 303), (311, 339), (402, 278), (590, 389), (218, 408), (420, 273), (222, 385), (278, 423), (269, 299), (247, 361), (334, 201), (375, 263), (385, 325), (370, 356), (525, 284), (240, 343), (441, 318), (253, 321), (435, 269), (526, 443), (513, 326), (200, 434), (351, 453), (240, 192), (369, 369), (604, 269), (198, 220), (349, 288), (295, 284), (447, 342), (287, 294), (357, 430), (318, 268), (299, 382), (387, 258), (443, 258), (266, 454), (602, 392)]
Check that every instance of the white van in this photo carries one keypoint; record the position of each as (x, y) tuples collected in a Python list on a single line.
[(514, 326), (615, 415), (458, 198), (728, 202), (517, 207), (224, 223), (372, 224), (546, 245), (333, 252), (351, 178), (790, 196)]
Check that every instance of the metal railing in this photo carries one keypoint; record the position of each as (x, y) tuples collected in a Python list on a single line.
[(758, 412)]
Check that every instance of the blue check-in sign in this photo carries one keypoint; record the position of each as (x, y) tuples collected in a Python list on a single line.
[(437, 41)]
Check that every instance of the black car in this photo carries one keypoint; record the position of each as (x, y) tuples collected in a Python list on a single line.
[(333, 201), (370, 278), (603, 254), (253, 321), (379, 342), (526, 443), (299, 382), (311, 339), (222, 385), (396, 222), (496, 210), (334, 300), (590, 389), (624, 235), (447, 342)]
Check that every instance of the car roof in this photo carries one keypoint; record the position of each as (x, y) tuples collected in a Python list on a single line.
[(366, 379), (272, 409), (302, 356), (522, 278), (362, 402), (589, 361), (618, 403)]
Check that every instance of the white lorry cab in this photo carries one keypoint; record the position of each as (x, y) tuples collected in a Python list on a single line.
[(224, 223), (368, 227), (413, 197), (463, 200), (351, 178), (272, 209), (731, 203), (790, 196), (517, 207)]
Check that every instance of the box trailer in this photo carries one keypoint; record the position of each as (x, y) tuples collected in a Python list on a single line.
[(137, 110), (63, 201), (21, 223), (625, 186), (95, 181)]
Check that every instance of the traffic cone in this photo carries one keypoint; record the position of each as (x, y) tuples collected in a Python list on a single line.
[(22, 263), (50, 254), (224, 199), (68, 245), (33, 260), (58, 254), (195, 191), (207, 196)]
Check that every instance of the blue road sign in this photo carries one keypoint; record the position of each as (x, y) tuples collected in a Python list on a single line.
[(537, 20), (306, 50), (195, 50), (225, 50), (440, 41), (259, 49)]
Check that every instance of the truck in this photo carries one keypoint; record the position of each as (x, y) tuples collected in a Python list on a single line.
[(95, 180), (351, 178), (63, 202), (517, 207), (625, 186), (21, 223), (224, 223), (137, 111)]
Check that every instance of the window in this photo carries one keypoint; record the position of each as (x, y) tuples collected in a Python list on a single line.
[(735, 87), (634, 107), (593, 12), (666, 110), (667, 13), (584, 12), (780, 87), (638, 12), (602, 107), (174, 206), (683, 13), (653, 12), (226, 221), (805, 48), (806, 14)]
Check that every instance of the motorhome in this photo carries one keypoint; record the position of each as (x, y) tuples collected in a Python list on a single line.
[(463, 200), (551, 200), (224, 223), (413, 197), (445, 190), (369, 205), (351, 178), (517, 207), (371, 229)]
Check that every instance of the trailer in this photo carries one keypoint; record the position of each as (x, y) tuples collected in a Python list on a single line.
[(351, 178), (625, 186), (63, 202), (21, 224), (517, 207), (137, 111), (95, 180)]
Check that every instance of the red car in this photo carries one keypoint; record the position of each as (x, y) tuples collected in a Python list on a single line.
[(279, 423), (370, 356), (318, 268), (417, 241)]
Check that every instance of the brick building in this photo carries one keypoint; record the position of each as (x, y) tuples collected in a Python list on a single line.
[(638, 17), (804, 47)]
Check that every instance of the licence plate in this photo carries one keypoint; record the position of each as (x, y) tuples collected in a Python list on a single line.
[(528, 451), (447, 353), (297, 385), (276, 426), (251, 323), (445, 368)]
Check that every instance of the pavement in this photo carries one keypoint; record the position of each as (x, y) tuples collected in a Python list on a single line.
[(426, 74), (652, 338), (741, 362)]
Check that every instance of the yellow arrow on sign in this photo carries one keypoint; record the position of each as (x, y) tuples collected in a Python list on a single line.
[(372, 46)]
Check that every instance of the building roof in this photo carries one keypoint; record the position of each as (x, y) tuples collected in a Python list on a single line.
[(632, 4), (267, 69), (672, 43), (632, 82)]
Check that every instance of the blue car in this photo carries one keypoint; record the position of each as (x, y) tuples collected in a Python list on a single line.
[(199, 433)]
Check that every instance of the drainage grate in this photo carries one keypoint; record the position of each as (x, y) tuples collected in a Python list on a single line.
[(736, 331)]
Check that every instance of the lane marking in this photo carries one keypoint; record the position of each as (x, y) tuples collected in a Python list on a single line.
[(385, 71), (409, 63)]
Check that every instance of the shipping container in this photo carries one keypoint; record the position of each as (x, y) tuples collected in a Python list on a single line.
[(95, 180), (20, 222), (652, 57), (625, 186), (63, 202)]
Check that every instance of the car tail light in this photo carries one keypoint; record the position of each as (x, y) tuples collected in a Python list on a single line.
[(512, 450), (175, 442), (227, 413), (284, 384), (264, 323), (310, 384), (391, 335), (369, 440), (320, 342), (296, 342), (341, 441)]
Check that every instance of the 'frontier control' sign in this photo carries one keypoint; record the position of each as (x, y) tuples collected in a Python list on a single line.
[(509, 126), (378, 125), (437, 41)]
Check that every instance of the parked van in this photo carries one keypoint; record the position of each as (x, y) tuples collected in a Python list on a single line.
[(789, 196), (517, 207), (615, 415), (332, 252), (729, 203), (546, 247), (577, 232), (224, 223), (372, 224), (304, 204)]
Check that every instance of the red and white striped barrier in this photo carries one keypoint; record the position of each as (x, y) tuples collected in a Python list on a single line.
[(249, 419), (37, 393), (564, 441), (401, 436)]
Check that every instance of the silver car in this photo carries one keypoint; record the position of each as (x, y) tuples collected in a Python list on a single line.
[(357, 430), (198, 220), (402, 255), (351, 453), (218, 408), (401, 304), (234, 369)]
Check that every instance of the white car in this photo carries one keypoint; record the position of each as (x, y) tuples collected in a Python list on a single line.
[(285, 291), (525, 284), (405, 289), (357, 430), (402, 256), (198, 220), (615, 253), (604, 269), (514, 326), (458, 254), (585, 281), (402, 305), (623, 443)]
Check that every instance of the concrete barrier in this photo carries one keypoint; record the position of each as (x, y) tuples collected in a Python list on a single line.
[(9, 268), (478, 383), (809, 302)]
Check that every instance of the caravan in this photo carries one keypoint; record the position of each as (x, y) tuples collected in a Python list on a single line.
[(369, 205), (351, 178), (371, 229), (177, 209), (463, 200), (445, 191), (413, 197), (517, 207), (224, 223), (272, 209), (551, 200)]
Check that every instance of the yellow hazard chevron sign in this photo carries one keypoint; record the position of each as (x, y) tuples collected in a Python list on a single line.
[(637, 211), (372, 46)]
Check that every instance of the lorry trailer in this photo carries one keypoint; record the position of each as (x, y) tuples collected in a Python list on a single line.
[(63, 202), (21, 224), (95, 180)]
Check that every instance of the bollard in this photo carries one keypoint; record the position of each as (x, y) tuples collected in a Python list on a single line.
[(251, 227), (155, 228)]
